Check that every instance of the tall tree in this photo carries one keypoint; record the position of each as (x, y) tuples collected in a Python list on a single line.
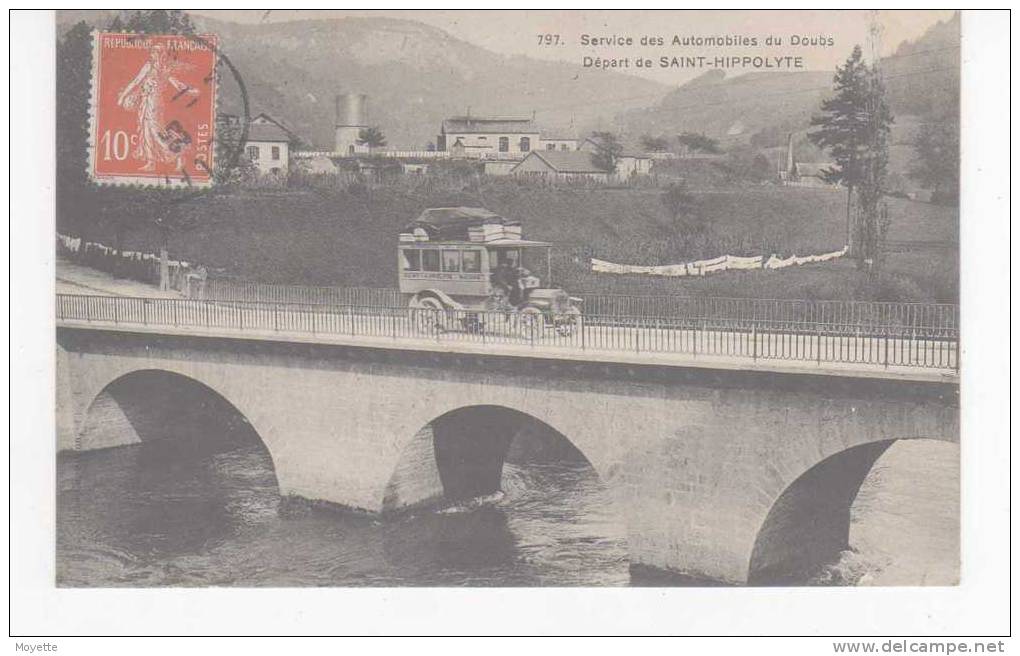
[(936, 164), (372, 137), (607, 149), (854, 128), (73, 73)]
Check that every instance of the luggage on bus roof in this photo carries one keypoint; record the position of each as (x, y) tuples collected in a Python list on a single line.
[(452, 223)]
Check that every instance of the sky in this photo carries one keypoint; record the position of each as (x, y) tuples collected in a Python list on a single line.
[(517, 32)]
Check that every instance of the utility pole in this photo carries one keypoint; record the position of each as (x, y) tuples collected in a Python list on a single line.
[(869, 215)]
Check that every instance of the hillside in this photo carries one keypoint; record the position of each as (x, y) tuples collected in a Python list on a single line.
[(348, 238), (734, 109), (415, 76), (922, 78)]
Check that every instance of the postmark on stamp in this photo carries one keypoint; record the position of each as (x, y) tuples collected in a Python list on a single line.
[(153, 112)]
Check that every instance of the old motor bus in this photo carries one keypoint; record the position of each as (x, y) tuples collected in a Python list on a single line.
[(461, 265)]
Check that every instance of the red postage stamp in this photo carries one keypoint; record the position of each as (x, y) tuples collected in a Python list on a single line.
[(153, 112)]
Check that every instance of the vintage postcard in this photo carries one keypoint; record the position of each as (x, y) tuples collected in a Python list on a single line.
[(507, 299)]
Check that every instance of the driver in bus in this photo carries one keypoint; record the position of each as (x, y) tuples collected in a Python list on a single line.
[(509, 275)]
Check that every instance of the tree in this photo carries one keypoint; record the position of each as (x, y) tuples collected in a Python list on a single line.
[(936, 163), (607, 149), (854, 128), (688, 229), (159, 21), (679, 202), (73, 77), (654, 144), (748, 165), (698, 143), (371, 137)]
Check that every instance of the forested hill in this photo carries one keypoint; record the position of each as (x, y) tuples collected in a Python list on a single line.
[(922, 78)]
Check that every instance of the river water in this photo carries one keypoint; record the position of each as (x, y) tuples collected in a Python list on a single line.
[(201, 510)]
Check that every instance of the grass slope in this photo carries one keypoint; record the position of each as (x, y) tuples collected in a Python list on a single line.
[(342, 238)]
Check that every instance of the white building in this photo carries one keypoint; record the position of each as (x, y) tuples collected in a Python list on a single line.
[(559, 143), (477, 135), (268, 145)]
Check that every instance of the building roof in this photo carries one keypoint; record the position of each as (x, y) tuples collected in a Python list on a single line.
[(267, 132), (264, 127), (488, 124), (568, 161), (628, 150)]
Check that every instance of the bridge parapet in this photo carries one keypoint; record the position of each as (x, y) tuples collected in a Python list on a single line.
[(741, 342)]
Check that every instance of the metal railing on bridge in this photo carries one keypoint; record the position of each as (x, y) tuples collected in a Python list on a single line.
[(735, 337), (920, 320)]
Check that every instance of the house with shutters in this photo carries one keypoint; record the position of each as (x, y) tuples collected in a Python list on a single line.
[(267, 146)]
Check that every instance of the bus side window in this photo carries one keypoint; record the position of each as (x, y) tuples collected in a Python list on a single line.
[(472, 261), (430, 260), (451, 261), (412, 259)]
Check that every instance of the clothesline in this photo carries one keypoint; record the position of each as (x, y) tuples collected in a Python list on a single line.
[(715, 265), (77, 245)]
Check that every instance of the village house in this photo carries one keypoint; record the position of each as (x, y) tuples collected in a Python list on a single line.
[(267, 145), (562, 166), (629, 162), (804, 174)]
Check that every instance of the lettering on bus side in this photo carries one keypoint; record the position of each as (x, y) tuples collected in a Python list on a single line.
[(436, 275)]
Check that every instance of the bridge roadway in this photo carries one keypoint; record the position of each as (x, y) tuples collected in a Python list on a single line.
[(784, 347)]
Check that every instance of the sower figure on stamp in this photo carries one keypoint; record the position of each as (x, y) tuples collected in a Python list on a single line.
[(156, 141)]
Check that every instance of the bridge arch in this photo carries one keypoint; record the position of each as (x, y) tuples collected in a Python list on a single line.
[(808, 521), (459, 454), (144, 405)]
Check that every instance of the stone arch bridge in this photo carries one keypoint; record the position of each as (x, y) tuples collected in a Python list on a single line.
[(721, 475)]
